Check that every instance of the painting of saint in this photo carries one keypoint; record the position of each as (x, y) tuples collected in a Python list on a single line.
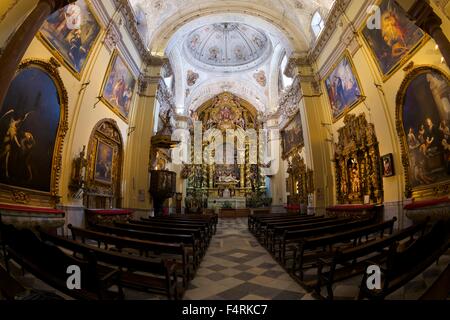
[(104, 163), (118, 87), (387, 165), (343, 88), (426, 121), (395, 41), (29, 123), (71, 33), (292, 135)]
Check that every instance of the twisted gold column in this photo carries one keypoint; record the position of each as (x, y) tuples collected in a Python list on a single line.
[(247, 167)]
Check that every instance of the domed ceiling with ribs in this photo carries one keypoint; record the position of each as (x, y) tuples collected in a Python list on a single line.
[(225, 45)]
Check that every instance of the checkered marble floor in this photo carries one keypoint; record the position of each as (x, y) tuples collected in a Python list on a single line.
[(236, 267)]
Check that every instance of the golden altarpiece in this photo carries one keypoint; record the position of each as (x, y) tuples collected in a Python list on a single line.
[(228, 173), (300, 183), (357, 163), (104, 167)]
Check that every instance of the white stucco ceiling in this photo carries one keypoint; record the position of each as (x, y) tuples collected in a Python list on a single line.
[(165, 17), (227, 45)]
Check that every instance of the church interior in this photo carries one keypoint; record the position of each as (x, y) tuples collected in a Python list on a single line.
[(224, 150)]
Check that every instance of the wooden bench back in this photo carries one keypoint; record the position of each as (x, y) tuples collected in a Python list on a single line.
[(401, 262), (298, 235), (142, 235), (303, 226), (349, 235), (157, 229), (84, 234), (116, 259)]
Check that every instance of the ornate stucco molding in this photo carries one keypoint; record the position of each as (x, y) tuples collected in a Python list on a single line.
[(131, 25), (332, 20)]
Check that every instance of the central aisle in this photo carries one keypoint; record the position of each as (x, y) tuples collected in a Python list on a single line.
[(237, 267)]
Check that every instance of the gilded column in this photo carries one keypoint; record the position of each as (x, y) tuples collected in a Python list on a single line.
[(247, 167)]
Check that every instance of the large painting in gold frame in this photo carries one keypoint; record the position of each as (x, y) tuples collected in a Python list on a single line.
[(292, 136), (343, 87), (118, 86), (70, 34), (423, 120), (39, 102), (396, 41)]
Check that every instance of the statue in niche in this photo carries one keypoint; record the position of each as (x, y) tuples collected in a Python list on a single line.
[(355, 178)]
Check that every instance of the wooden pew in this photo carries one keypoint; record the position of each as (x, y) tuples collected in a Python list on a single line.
[(309, 250), (204, 227), (352, 262), (10, 288), (440, 290), (48, 263), (212, 220), (176, 251), (160, 277), (253, 219), (275, 232), (403, 265), (290, 239), (197, 233), (262, 224), (188, 240)]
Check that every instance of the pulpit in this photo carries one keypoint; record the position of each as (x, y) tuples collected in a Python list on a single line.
[(162, 187)]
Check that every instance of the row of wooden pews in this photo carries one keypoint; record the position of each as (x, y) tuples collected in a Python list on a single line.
[(158, 255), (321, 251)]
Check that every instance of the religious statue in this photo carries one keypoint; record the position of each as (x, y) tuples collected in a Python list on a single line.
[(228, 178)]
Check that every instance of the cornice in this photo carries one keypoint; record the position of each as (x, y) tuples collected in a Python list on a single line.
[(131, 26), (332, 20)]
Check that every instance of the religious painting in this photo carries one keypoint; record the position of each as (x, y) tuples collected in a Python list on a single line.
[(396, 40), (104, 163), (292, 136), (70, 33), (387, 165), (343, 88), (423, 121), (33, 119), (104, 171), (118, 87)]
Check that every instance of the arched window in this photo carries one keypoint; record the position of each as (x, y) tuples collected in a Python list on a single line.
[(317, 23)]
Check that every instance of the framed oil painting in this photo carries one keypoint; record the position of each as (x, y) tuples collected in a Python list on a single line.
[(387, 165), (118, 87), (343, 87), (395, 42), (70, 33), (292, 136), (33, 123), (104, 163), (423, 121)]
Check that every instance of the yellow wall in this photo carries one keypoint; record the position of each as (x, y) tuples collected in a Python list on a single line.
[(380, 104), (83, 117), (12, 14)]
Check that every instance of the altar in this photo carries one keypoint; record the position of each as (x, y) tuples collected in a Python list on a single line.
[(229, 203)]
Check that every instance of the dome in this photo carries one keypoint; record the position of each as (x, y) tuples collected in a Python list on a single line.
[(227, 46)]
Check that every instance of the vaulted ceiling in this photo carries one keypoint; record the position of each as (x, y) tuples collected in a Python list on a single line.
[(227, 45), (160, 19)]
